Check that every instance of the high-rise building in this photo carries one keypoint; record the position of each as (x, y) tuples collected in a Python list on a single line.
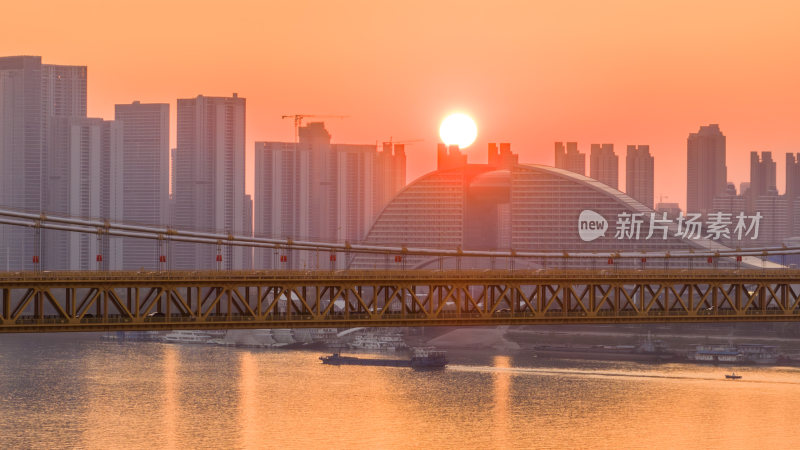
[(389, 174), (84, 180), (449, 157), (502, 156), (792, 175), (793, 192), (744, 187), (731, 205), (706, 175), (569, 158), (639, 174), (604, 164), (762, 174), (32, 94), (247, 252), (774, 226), (145, 176), (672, 209), (209, 178), (320, 191), (354, 191)]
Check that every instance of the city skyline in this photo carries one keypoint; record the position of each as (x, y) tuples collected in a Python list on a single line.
[(653, 89), (249, 224), (144, 156), (616, 180), (63, 95)]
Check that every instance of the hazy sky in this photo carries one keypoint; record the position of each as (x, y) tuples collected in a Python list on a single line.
[(529, 72)]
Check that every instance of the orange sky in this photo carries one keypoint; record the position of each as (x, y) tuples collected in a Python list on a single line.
[(530, 73)]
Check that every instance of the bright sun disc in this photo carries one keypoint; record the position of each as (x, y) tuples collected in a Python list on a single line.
[(458, 129)]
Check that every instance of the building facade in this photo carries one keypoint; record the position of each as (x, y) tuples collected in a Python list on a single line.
[(706, 172), (84, 180), (210, 178), (524, 208), (569, 158), (145, 176), (793, 192), (762, 177), (316, 190), (604, 164), (639, 170), (32, 96)]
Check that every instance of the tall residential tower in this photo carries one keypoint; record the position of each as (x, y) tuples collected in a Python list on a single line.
[(568, 157), (317, 190), (706, 172), (639, 174), (145, 176), (209, 178), (604, 164), (32, 96)]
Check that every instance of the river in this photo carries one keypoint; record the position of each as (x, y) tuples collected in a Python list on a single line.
[(75, 391)]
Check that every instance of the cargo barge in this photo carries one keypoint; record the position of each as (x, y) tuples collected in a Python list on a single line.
[(422, 359), (650, 350)]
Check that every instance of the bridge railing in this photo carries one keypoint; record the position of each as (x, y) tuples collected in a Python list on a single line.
[(464, 274)]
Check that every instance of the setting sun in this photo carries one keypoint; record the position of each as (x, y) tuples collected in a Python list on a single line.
[(458, 129)]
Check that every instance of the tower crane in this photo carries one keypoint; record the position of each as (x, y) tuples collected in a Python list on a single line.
[(391, 141), (298, 120)]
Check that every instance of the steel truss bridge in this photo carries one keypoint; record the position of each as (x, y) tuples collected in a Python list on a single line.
[(110, 301)]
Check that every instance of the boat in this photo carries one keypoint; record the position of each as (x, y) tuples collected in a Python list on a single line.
[(716, 354), (379, 341), (759, 354), (187, 337), (649, 350), (732, 376), (421, 359), (132, 336)]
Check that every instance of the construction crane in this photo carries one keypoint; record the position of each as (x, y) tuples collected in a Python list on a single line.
[(298, 120), (391, 141)]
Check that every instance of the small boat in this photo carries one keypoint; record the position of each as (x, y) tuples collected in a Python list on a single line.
[(732, 376)]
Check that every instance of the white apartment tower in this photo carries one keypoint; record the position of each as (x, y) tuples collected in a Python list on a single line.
[(84, 180), (209, 178), (32, 95), (145, 176)]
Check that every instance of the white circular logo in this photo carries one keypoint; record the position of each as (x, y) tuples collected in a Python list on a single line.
[(591, 225)]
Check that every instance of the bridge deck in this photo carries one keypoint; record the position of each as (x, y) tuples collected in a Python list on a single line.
[(104, 301)]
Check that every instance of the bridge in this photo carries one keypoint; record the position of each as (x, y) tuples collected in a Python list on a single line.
[(116, 301), (41, 301)]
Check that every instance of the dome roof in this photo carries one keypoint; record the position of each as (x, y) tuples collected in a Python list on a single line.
[(497, 178)]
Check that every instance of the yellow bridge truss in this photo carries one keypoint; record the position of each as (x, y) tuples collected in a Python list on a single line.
[(106, 301)]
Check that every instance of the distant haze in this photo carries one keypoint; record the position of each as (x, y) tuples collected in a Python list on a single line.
[(530, 73)]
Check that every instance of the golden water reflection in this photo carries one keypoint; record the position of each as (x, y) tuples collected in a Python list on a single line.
[(502, 388), (97, 395)]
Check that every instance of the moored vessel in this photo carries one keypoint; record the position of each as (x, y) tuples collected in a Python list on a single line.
[(188, 336), (421, 359), (734, 354)]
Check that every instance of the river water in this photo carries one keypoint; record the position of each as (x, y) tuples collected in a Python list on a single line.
[(74, 391)]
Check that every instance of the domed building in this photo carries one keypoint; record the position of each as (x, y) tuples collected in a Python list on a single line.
[(506, 205)]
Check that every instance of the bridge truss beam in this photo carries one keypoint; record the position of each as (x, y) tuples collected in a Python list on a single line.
[(110, 301)]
